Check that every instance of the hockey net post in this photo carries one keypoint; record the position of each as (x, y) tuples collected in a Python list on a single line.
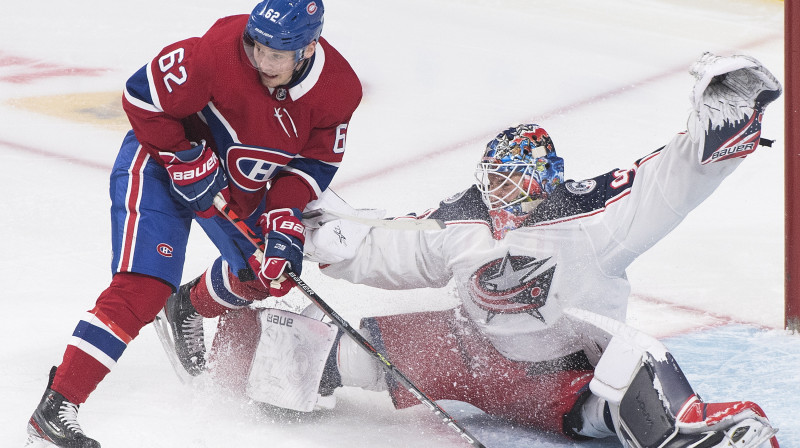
[(792, 165)]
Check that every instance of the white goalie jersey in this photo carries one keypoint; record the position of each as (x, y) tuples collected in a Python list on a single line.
[(572, 251)]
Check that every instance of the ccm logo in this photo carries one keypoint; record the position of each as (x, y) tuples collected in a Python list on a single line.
[(165, 250), (196, 173)]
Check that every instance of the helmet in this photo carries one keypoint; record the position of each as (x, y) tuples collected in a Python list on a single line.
[(525, 160), (285, 24)]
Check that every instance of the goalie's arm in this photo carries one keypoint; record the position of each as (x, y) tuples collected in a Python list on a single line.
[(728, 101)]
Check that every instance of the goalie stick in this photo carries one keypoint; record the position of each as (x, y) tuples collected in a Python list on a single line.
[(321, 216), (221, 204)]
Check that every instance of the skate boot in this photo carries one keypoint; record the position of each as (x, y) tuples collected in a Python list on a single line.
[(55, 421), (187, 329), (740, 424)]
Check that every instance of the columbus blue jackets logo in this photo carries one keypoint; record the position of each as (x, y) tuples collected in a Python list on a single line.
[(512, 285)]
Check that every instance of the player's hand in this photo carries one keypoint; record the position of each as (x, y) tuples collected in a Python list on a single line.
[(283, 235), (196, 177)]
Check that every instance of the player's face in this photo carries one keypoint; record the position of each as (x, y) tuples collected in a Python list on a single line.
[(274, 66), (504, 189)]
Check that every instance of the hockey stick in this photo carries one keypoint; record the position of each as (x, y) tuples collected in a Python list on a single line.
[(221, 204), (321, 216)]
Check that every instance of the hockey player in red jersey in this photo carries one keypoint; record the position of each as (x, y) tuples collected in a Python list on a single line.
[(539, 265), (255, 111)]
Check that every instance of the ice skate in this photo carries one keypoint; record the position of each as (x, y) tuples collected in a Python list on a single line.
[(55, 423), (740, 424), (186, 328)]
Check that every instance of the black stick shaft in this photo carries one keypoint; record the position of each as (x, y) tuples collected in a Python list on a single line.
[(225, 210), (386, 364)]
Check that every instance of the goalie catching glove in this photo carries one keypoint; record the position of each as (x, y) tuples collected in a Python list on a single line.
[(283, 249), (196, 177), (728, 100)]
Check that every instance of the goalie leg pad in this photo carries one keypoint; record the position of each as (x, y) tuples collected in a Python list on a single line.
[(289, 360), (654, 406)]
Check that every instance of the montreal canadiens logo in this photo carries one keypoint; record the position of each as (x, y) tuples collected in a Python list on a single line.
[(512, 285), (311, 9), (165, 250), (250, 168)]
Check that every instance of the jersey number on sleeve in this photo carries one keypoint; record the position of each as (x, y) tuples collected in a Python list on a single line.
[(166, 62), (623, 177), (341, 135)]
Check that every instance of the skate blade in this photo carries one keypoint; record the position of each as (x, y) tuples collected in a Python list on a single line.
[(760, 438), (35, 441), (164, 333)]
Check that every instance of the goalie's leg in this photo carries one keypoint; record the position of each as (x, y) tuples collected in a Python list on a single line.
[(652, 404)]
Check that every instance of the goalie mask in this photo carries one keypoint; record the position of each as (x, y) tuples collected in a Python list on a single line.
[(519, 165)]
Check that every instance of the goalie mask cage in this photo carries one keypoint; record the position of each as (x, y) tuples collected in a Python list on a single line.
[(792, 164)]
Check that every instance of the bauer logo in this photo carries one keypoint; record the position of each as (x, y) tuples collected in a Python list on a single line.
[(276, 319), (733, 151), (165, 250)]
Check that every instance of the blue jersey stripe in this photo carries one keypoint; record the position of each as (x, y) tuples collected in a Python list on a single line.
[(100, 338), (138, 86)]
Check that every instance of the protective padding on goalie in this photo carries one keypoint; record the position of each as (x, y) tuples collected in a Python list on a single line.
[(329, 239), (232, 350), (445, 355), (289, 360), (654, 406), (728, 101)]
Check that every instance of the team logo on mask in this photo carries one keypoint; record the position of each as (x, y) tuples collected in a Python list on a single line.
[(512, 285)]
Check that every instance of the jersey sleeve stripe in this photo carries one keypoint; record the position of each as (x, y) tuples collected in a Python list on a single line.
[(138, 91), (316, 173)]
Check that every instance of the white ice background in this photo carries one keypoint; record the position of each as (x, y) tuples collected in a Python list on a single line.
[(607, 79)]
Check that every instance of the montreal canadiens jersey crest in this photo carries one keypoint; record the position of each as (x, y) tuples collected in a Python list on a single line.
[(512, 285)]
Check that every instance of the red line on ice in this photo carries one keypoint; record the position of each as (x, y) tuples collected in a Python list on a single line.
[(411, 161)]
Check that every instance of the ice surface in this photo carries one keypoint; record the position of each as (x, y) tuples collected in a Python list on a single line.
[(607, 79)]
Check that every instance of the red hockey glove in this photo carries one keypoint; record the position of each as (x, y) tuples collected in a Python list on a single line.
[(196, 177), (283, 235)]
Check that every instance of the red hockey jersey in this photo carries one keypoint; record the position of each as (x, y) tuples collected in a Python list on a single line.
[(206, 88)]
